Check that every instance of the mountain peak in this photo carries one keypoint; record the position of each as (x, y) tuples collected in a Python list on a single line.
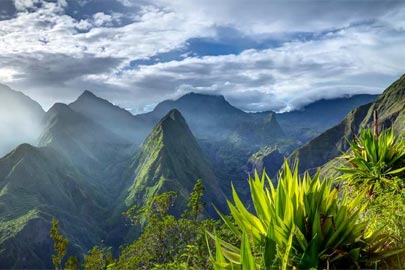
[(201, 95), (22, 149), (110, 116), (88, 96), (171, 159), (171, 124), (88, 93), (173, 115), (58, 108)]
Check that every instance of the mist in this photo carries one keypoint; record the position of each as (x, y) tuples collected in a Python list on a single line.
[(20, 119)]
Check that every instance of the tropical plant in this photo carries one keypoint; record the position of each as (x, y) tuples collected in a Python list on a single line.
[(303, 223), (375, 161)]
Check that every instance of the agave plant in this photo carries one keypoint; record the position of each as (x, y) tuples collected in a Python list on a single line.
[(375, 160), (301, 224)]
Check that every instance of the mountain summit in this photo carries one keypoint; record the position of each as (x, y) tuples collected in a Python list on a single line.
[(110, 116), (212, 117), (171, 159)]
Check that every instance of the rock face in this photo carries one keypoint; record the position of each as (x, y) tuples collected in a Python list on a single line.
[(20, 119), (267, 159), (171, 160), (390, 106)]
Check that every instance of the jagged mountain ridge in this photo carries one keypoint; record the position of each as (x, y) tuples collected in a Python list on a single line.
[(213, 118), (171, 159)]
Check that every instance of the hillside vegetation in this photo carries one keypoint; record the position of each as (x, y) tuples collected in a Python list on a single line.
[(92, 161)]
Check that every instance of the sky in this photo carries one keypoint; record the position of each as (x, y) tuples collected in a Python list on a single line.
[(260, 54)]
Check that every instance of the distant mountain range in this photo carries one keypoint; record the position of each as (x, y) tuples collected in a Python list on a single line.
[(90, 160), (390, 106), (313, 119)]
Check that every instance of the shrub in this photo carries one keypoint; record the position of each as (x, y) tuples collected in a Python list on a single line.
[(303, 223), (375, 161)]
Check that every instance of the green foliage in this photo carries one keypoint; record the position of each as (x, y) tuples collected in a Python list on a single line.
[(155, 209), (170, 159), (168, 242), (386, 213), (375, 161), (302, 223), (195, 206), (72, 263), (59, 246), (98, 258)]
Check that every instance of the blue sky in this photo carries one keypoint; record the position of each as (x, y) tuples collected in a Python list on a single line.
[(260, 54)]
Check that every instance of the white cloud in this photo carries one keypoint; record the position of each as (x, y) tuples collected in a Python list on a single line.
[(23, 5), (7, 75), (361, 59), (100, 19), (152, 31), (352, 47), (275, 16)]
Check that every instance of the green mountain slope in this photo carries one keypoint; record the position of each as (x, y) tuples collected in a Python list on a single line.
[(36, 184), (20, 119), (171, 159), (226, 134), (390, 106)]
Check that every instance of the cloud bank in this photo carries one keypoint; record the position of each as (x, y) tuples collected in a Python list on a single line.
[(262, 55)]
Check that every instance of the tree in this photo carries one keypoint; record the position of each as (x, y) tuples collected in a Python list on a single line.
[(59, 246), (160, 238), (72, 263), (167, 242), (98, 258), (195, 205)]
